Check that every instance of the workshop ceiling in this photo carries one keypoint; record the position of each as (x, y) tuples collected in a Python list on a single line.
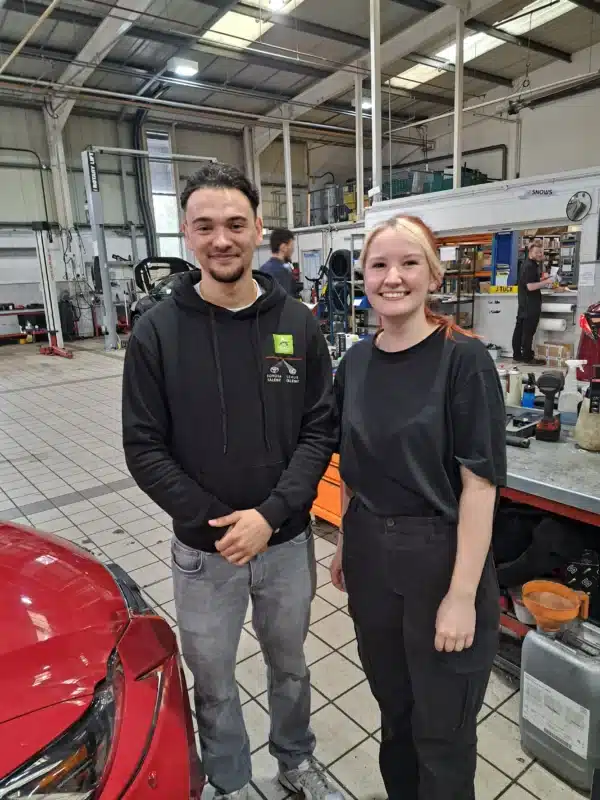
[(250, 63)]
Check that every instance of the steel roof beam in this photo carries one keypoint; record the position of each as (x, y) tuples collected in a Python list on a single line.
[(304, 26), (103, 39), (214, 19), (591, 5), (111, 66), (470, 72), (430, 6), (90, 20), (287, 21), (177, 41), (397, 47), (519, 41), (259, 59)]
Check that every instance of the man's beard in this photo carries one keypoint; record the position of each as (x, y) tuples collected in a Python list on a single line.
[(231, 277)]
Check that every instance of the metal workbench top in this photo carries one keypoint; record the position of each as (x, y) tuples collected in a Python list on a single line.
[(557, 471)]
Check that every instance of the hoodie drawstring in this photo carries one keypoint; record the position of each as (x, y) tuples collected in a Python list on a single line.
[(261, 383), (257, 347), (217, 357)]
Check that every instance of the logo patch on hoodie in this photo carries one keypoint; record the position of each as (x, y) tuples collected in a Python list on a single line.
[(283, 344)]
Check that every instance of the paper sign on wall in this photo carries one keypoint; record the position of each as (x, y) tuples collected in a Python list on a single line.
[(448, 253), (587, 274)]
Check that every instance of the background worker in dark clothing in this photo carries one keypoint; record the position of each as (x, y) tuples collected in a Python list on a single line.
[(279, 265), (531, 283)]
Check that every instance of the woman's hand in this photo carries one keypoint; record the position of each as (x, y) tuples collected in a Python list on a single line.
[(337, 575), (455, 623)]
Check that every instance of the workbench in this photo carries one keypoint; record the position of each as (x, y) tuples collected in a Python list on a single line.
[(555, 477), (559, 478)]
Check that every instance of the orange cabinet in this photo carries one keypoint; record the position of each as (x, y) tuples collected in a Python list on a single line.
[(327, 505)]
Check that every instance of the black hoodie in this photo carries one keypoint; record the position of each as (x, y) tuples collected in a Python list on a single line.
[(227, 411)]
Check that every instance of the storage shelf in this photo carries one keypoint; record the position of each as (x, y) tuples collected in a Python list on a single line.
[(23, 335)]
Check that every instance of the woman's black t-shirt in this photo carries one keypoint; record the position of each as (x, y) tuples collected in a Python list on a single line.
[(410, 419)]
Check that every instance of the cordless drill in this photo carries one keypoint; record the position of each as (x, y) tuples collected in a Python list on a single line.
[(549, 384)]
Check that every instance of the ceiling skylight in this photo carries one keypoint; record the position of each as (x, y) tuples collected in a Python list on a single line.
[(477, 44), (239, 30)]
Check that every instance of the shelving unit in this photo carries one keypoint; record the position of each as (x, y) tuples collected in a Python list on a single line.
[(561, 253), (459, 286), (22, 312)]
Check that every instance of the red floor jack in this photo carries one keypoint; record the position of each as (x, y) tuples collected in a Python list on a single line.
[(55, 346), (52, 348)]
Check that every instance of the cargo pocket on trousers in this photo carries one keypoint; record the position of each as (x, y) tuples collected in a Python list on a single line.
[(451, 706)]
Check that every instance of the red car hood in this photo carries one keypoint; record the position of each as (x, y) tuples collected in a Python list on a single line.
[(62, 614)]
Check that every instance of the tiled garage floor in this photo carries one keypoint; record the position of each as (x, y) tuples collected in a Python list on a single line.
[(62, 470)]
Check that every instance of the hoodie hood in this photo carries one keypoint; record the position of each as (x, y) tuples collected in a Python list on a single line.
[(186, 295)]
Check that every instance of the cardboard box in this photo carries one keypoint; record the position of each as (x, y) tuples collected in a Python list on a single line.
[(555, 354), (464, 318)]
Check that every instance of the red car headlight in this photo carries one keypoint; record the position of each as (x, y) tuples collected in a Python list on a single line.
[(75, 766)]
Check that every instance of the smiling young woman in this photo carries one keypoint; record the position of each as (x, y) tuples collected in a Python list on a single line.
[(422, 454)]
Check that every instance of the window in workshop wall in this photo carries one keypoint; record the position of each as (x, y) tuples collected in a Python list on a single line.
[(165, 205)]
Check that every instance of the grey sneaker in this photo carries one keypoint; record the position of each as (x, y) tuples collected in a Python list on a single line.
[(311, 781), (241, 794)]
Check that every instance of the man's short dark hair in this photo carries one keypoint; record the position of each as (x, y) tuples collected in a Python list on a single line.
[(214, 175), (280, 236)]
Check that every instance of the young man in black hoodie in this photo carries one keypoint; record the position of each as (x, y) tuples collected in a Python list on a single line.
[(228, 424)]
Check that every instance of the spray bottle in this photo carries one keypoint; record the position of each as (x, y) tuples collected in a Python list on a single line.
[(570, 398), (503, 375), (515, 387), (528, 400)]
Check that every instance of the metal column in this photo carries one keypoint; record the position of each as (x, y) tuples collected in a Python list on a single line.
[(256, 166), (360, 154), (289, 186), (94, 203), (134, 247), (377, 145), (48, 283), (458, 98), (248, 155)]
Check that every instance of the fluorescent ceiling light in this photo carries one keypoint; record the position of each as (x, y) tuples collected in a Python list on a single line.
[(366, 104), (477, 44), (183, 67), (238, 30)]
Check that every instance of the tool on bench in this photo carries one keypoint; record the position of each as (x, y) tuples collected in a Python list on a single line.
[(517, 441), (523, 425), (550, 384)]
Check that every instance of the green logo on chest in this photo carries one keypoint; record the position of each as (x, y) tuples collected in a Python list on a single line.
[(283, 344)]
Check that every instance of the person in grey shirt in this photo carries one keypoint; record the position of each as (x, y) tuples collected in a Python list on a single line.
[(279, 265)]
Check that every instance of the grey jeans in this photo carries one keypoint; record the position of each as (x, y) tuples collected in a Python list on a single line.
[(211, 597)]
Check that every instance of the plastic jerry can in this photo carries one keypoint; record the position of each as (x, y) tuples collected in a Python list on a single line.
[(560, 703)]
